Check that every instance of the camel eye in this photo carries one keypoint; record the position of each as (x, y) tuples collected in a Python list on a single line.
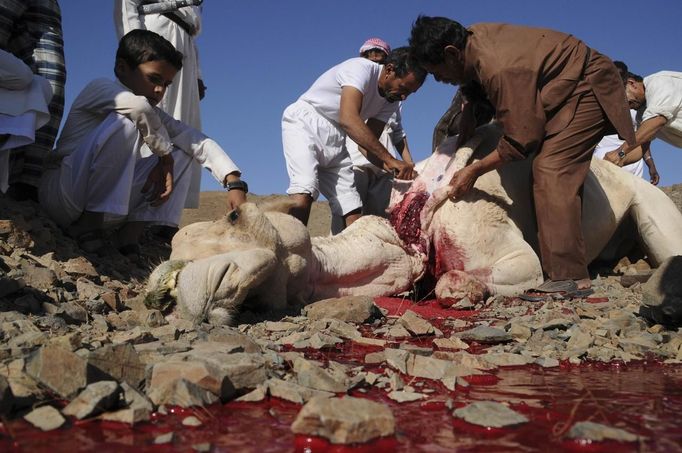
[(233, 216)]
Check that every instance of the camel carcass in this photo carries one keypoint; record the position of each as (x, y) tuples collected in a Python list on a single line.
[(481, 244)]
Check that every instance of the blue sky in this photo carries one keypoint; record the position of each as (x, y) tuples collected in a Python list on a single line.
[(258, 56)]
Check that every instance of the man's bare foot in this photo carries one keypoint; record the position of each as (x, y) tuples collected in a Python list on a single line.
[(584, 283)]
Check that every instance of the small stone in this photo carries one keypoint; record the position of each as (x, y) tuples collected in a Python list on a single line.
[(450, 343), (402, 396), (45, 418), (357, 309), (415, 324), (191, 421), (489, 414), (96, 398), (256, 395), (312, 376), (485, 334), (164, 438), (597, 432), (344, 420)]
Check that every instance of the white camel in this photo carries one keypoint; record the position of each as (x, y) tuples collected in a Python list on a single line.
[(482, 244)]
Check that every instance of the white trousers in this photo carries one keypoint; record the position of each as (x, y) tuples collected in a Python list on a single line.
[(106, 174), (316, 158), (374, 187)]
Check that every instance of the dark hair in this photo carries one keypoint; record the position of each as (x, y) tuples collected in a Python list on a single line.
[(430, 35), (141, 46), (622, 70), (635, 77), (403, 63)]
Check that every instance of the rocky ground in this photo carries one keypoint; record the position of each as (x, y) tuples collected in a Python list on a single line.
[(77, 342)]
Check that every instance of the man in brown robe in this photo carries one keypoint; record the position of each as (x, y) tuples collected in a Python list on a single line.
[(553, 96)]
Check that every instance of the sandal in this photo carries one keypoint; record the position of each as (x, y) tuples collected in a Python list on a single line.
[(556, 289)]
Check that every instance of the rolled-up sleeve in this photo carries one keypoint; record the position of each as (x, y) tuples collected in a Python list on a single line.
[(519, 111), (662, 98)]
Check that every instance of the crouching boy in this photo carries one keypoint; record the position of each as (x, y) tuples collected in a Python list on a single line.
[(123, 163)]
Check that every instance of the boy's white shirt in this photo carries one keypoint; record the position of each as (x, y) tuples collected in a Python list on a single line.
[(159, 130)]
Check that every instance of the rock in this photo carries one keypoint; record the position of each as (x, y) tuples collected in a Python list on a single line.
[(180, 392), (398, 331), (293, 392), (61, 370), (370, 341), (231, 340), (489, 414), (72, 313), (628, 280), (597, 432), (138, 407), (357, 309), (133, 336), (344, 420), (88, 290), (547, 362), (485, 334), (396, 359), (244, 370), (39, 278), (95, 399), (80, 266), (415, 324), (46, 418), (164, 438), (120, 362), (507, 359), (200, 373), (450, 343), (191, 421), (167, 333), (403, 396), (310, 375), (256, 395), (662, 294)]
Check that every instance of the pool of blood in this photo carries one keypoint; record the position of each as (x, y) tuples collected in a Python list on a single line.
[(644, 398)]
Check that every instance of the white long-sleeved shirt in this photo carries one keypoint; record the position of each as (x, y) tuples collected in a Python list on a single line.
[(663, 91), (159, 130)]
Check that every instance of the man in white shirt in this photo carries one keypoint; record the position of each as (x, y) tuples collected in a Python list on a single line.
[(372, 182), (355, 99), (120, 159), (660, 95)]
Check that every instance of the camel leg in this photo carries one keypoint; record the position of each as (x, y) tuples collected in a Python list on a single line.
[(658, 220)]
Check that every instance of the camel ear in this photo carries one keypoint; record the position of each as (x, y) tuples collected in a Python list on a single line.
[(221, 283)]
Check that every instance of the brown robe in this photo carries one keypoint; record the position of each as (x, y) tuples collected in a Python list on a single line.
[(554, 95)]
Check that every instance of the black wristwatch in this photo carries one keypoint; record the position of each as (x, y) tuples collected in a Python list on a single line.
[(239, 185)]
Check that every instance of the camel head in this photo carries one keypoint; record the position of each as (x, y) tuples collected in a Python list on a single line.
[(251, 256)]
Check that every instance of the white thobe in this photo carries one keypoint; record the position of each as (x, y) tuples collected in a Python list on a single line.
[(181, 100), (93, 135), (24, 100)]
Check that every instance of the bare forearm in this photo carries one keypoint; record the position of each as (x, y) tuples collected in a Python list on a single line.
[(489, 163), (358, 131), (647, 131), (404, 150)]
